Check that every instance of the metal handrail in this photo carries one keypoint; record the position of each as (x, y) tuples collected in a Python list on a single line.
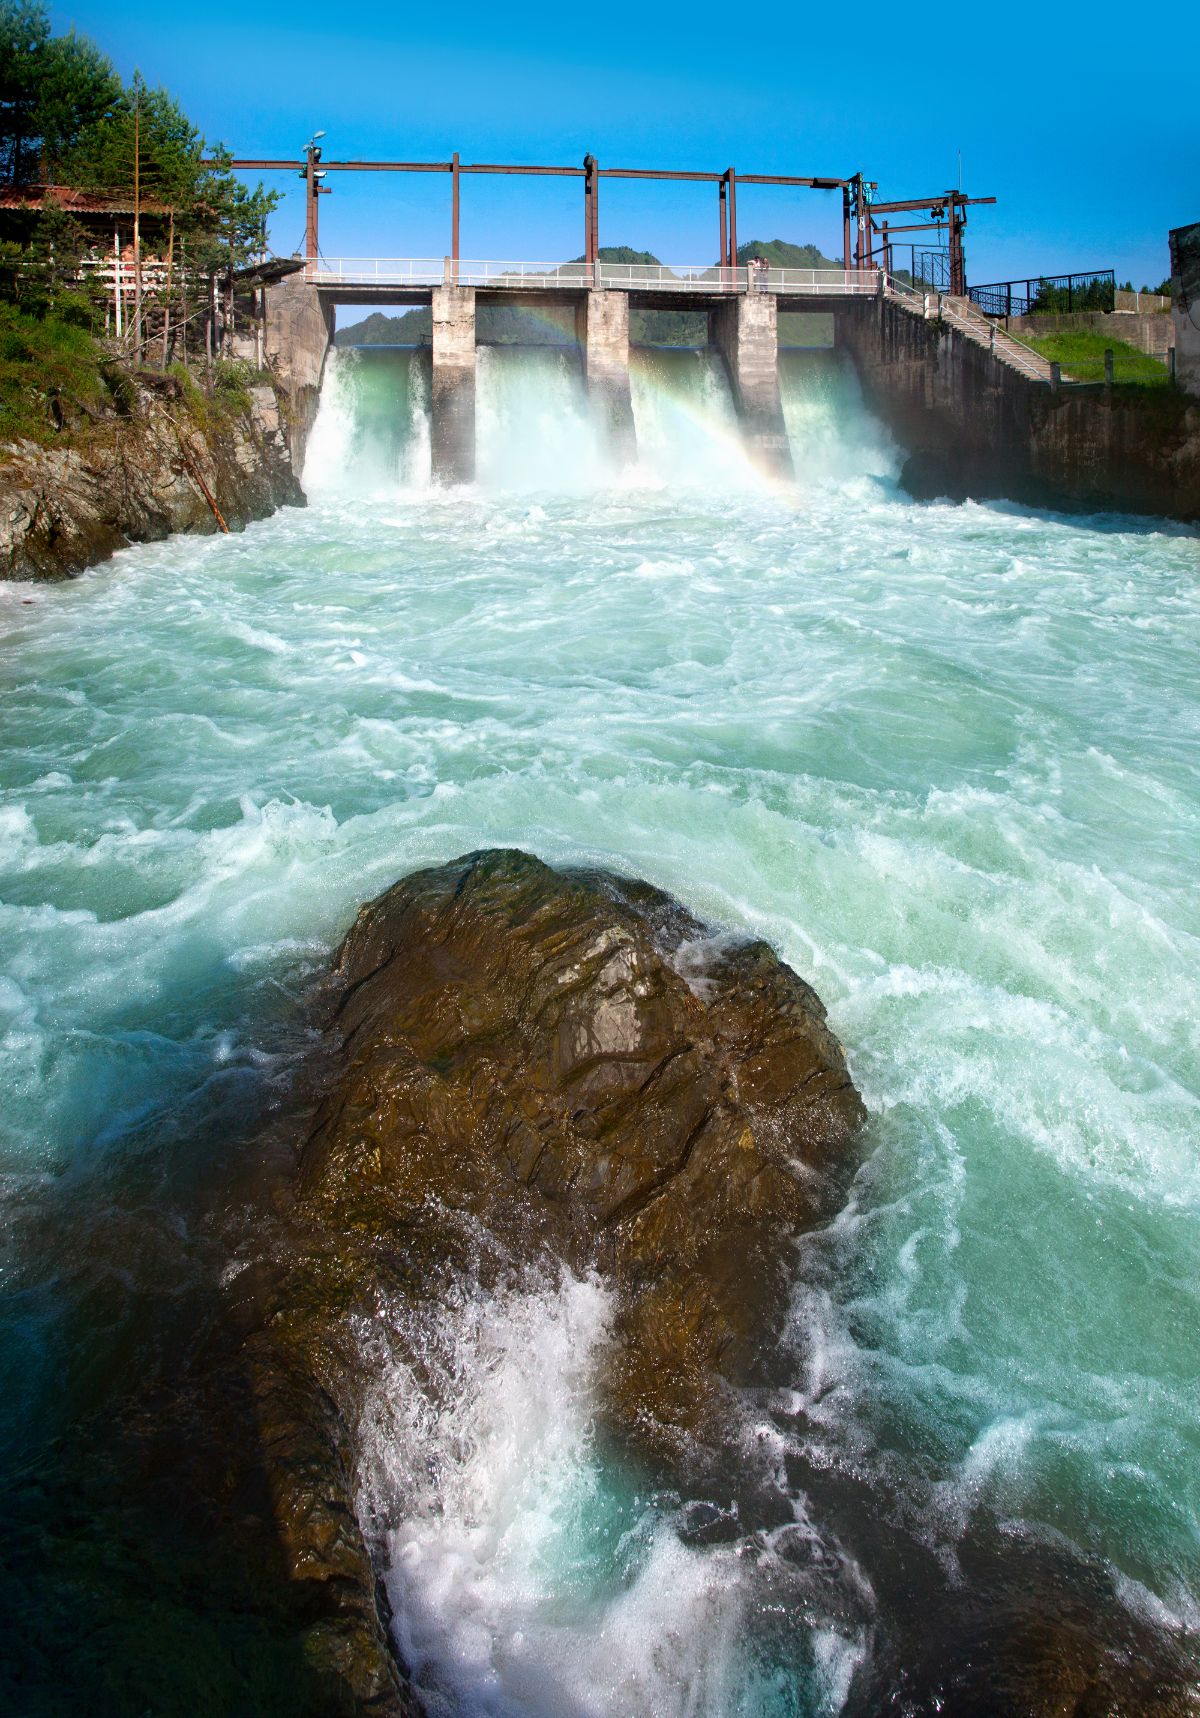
[(386, 271), (999, 339), (853, 282), (670, 277), (628, 277), (530, 274)]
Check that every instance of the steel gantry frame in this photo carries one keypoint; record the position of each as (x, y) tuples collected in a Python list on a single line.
[(859, 209), (948, 210), (312, 169)]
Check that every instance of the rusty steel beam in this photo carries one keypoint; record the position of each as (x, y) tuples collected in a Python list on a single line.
[(917, 227), (731, 180), (944, 201), (245, 165), (722, 200)]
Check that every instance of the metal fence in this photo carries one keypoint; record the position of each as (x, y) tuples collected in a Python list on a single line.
[(1052, 294), (700, 278)]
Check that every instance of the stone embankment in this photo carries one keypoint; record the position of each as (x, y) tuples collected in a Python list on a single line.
[(167, 460)]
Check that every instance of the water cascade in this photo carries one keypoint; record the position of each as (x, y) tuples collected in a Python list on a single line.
[(372, 429), (942, 758), (534, 429)]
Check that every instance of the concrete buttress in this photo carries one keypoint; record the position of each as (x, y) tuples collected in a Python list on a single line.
[(452, 428), (603, 329), (745, 332), (297, 335)]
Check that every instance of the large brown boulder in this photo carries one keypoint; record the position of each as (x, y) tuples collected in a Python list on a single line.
[(570, 1062)]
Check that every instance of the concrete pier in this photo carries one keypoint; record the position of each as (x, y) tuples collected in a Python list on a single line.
[(746, 333), (452, 425), (602, 324), (297, 335)]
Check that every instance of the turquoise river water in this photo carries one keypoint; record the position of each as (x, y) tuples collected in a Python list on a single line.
[(943, 757)]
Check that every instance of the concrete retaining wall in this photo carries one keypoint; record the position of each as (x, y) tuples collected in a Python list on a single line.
[(1185, 305), (297, 335), (1150, 331), (602, 324), (971, 426)]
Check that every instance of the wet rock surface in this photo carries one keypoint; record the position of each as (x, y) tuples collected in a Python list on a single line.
[(569, 1062)]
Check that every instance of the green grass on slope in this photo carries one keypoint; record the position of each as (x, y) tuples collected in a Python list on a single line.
[(50, 375), (1082, 358)]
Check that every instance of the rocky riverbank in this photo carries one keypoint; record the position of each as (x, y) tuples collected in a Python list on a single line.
[(162, 457)]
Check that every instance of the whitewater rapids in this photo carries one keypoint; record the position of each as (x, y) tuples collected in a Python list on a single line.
[(944, 758)]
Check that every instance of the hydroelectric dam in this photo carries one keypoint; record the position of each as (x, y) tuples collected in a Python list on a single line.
[(975, 411)]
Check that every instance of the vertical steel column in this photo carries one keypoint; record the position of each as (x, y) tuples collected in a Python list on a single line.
[(589, 208), (310, 206), (846, 227), (860, 210), (958, 272), (454, 213), (722, 197), (732, 177), (595, 210)]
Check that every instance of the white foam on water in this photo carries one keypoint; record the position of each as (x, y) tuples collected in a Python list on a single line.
[(523, 1579)]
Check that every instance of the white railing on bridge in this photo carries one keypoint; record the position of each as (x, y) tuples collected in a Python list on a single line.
[(376, 271), (669, 277), (823, 282), (699, 278)]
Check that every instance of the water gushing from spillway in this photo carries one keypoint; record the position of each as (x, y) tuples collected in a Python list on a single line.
[(535, 429), (943, 758)]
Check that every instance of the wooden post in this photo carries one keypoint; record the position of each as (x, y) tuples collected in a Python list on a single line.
[(167, 299), (454, 211), (1108, 367), (117, 281), (137, 224)]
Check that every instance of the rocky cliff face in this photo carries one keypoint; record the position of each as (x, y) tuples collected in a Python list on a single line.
[(169, 461)]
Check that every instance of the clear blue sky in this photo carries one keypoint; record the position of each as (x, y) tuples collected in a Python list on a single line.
[(1083, 120)]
